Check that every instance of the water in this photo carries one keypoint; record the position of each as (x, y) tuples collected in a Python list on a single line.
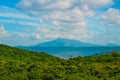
[(67, 52)]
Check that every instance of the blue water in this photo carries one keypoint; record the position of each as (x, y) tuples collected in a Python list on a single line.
[(67, 52)]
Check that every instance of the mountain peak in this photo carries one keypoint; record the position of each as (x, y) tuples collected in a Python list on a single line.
[(62, 42), (64, 39)]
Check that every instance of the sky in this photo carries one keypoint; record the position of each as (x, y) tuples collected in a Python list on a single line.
[(29, 22)]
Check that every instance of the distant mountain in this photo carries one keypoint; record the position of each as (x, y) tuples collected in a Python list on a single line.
[(67, 47), (60, 42), (113, 45)]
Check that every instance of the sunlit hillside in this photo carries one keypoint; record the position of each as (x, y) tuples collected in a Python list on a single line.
[(18, 64)]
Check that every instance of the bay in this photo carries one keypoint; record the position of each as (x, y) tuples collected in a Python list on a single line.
[(67, 52)]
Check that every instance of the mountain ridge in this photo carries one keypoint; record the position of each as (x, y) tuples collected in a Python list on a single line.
[(61, 42)]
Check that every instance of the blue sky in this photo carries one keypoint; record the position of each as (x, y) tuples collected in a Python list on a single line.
[(28, 22)]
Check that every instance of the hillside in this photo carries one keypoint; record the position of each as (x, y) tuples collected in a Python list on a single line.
[(18, 54), (18, 64)]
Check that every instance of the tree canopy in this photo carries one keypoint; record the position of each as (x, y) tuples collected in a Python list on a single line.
[(18, 64)]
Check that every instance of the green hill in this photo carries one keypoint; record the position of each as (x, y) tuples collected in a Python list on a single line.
[(11, 53), (18, 64)]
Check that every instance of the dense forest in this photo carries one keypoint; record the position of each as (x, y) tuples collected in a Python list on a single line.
[(18, 64)]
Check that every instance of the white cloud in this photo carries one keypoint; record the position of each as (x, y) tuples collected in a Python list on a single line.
[(107, 28), (37, 36), (109, 38), (62, 4), (14, 13), (45, 4), (68, 17), (3, 32), (96, 4), (20, 22), (63, 18), (61, 15), (59, 18), (14, 16), (78, 33), (111, 17)]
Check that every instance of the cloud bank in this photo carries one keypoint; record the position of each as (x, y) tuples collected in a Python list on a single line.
[(84, 20), (64, 18)]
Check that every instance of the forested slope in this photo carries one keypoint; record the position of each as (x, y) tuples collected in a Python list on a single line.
[(18, 64)]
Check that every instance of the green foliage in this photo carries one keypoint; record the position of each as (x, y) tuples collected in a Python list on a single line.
[(18, 64)]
